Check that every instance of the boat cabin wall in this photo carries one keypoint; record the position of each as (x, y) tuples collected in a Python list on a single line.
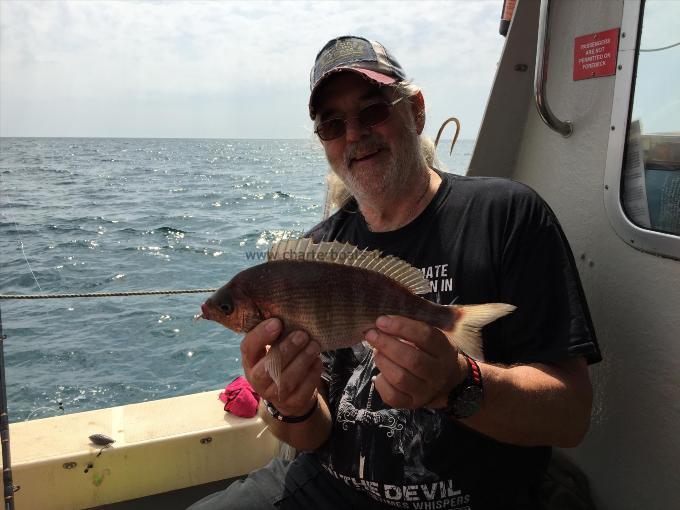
[(631, 451)]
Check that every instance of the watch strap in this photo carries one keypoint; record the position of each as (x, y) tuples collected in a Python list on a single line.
[(289, 419), (474, 372), (473, 377), (460, 394)]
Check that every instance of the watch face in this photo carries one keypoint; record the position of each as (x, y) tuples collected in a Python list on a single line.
[(468, 401)]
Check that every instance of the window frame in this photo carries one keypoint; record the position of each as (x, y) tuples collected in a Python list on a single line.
[(643, 239)]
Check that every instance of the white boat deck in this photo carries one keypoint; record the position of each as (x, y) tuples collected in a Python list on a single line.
[(160, 446)]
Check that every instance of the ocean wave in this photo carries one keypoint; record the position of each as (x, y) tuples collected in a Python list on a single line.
[(161, 250), (188, 354), (268, 237), (281, 194), (18, 205), (77, 243), (47, 398), (264, 238), (75, 358), (23, 281), (13, 230), (102, 218), (68, 228), (271, 195), (171, 230)]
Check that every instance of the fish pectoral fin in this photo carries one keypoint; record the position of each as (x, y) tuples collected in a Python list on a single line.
[(273, 363)]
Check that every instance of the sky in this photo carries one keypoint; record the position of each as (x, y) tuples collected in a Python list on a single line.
[(192, 69), (657, 90)]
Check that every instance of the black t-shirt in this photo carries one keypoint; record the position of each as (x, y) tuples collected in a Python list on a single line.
[(480, 240)]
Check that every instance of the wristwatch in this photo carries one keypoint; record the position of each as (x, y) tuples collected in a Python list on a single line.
[(466, 398)]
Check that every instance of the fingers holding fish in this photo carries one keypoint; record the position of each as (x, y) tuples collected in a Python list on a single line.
[(420, 334), (396, 385), (405, 380), (291, 346), (302, 377), (300, 398), (287, 349), (297, 369), (391, 395), (401, 351), (254, 344), (296, 356), (418, 367)]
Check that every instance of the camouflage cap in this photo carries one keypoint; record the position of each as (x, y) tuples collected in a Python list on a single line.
[(351, 53)]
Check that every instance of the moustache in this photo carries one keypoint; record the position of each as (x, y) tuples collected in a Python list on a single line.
[(363, 147)]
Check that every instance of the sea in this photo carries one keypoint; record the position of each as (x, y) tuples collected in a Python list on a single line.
[(80, 215)]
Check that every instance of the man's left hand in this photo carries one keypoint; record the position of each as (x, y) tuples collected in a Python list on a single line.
[(418, 364)]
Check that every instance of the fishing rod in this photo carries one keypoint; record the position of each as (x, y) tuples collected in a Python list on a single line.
[(4, 429)]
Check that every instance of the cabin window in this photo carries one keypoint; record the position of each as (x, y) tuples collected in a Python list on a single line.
[(642, 173), (650, 183)]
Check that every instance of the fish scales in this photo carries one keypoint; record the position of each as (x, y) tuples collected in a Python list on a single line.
[(323, 298)]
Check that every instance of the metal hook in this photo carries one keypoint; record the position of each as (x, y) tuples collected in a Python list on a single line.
[(441, 129)]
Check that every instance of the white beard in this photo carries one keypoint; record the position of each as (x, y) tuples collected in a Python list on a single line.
[(392, 178)]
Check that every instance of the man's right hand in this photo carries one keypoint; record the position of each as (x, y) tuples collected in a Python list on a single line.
[(300, 376)]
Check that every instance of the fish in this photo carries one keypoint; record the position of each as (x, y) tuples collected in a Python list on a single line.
[(335, 292)]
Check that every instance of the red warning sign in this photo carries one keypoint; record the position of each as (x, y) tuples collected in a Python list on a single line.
[(595, 54)]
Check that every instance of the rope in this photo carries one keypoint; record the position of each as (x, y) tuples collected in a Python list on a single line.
[(662, 48), (105, 294)]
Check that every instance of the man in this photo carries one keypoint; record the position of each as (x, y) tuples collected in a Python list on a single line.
[(406, 420)]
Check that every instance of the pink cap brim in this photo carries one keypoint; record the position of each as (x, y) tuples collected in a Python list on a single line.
[(374, 76), (383, 79)]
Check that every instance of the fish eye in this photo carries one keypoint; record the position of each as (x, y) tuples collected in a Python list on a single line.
[(227, 308)]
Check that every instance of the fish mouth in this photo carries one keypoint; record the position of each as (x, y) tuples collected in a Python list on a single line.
[(205, 312)]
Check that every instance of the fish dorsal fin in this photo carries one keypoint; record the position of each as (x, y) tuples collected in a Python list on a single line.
[(346, 254)]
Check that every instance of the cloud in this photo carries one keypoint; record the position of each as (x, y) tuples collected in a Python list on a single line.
[(220, 69)]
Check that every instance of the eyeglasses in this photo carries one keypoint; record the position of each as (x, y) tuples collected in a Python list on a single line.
[(370, 116)]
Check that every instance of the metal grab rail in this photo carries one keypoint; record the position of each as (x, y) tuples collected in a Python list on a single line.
[(564, 128)]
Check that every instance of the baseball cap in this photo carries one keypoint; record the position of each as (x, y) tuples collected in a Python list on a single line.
[(351, 53)]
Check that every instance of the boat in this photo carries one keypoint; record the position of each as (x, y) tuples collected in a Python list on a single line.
[(563, 117)]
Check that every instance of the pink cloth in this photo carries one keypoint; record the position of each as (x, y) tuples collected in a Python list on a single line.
[(239, 398)]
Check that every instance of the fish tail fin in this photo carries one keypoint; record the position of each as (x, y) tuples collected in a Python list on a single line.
[(273, 363), (468, 321)]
